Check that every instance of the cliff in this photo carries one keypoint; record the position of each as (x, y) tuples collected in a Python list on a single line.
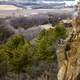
[(68, 55)]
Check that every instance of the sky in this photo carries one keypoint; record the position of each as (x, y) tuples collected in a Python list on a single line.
[(36, 0)]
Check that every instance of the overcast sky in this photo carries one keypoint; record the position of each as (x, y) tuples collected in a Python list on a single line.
[(68, 2), (36, 0)]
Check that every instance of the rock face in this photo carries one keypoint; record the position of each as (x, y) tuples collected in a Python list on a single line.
[(76, 16), (68, 52), (69, 58), (78, 9)]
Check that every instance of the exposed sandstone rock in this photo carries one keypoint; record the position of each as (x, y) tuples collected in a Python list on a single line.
[(69, 67)]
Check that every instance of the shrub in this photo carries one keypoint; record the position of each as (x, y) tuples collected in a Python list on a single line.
[(77, 21), (45, 48), (3, 63), (5, 34), (60, 31), (19, 51)]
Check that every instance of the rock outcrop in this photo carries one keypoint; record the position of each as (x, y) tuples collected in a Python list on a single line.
[(68, 55), (68, 52)]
